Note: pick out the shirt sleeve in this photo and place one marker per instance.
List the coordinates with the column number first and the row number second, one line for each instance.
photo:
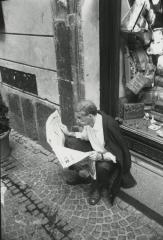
column 82, row 135
column 109, row 156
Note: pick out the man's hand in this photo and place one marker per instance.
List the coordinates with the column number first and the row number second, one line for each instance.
column 66, row 131
column 95, row 156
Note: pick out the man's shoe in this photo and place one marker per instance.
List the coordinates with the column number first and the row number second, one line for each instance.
column 95, row 197
column 79, row 180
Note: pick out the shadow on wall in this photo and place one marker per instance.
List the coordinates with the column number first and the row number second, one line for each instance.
column 4, row 121
column 2, row 23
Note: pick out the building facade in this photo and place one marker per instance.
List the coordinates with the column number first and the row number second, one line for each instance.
column 54, row 53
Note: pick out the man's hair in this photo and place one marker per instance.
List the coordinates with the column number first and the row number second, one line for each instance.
column 87, row 106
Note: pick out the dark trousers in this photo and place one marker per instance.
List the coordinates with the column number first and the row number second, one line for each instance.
column 107, row 172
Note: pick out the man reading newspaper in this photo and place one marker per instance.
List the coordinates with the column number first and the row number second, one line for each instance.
column 100, row 138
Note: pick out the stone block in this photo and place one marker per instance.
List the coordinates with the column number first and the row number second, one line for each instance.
column 63, row 50
column 15, row 113
column 29, row 118
column 35, row 18
column 66, row 101
column 32, row 50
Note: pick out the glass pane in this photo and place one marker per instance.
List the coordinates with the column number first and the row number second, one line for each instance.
column 141, row 68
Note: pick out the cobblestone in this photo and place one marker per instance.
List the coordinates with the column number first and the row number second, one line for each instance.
column 42, row 206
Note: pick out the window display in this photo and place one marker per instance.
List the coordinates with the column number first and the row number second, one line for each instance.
column 141, row 83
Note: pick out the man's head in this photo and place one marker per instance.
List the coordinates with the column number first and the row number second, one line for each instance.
column 85, row 113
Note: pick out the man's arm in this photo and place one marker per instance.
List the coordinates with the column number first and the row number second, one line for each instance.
column 97, row 156
column 109, row 156
column 66, row 131
column 82, row 135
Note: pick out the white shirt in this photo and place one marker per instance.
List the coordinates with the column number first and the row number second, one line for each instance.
column 95, row 135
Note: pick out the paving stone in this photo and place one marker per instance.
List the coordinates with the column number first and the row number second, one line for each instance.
column 77, row 213
column 90, row 237
column 77, row 237
column 123, row 222
column 142, row 237
column 69, row 213
column 29, row 194
column 82, row 201
column 100, row 214
column 146, row 230
column 129, row 229
column 130, row 236
column 108, row 219
column 96, row 234
column 113, row 233
column 98, row 228
column 131, row 219
column 137, row 231
column 89, row 227
column 136, row 224
column 105, row 235
column 122, row 237
column 116, row 217
column 100, row 220
column 35, row 212
column 82, row 222
column 115, row 225
column 78, row 229
column 79, row 208
column 121, row 231
column 101, row 208
column 92, row 220
column 31, row 207
column 85, row 207
column 106, row 227
column 107, row 212
column 92, row 214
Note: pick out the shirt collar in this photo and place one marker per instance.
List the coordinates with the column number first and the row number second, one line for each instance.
column 98, row 119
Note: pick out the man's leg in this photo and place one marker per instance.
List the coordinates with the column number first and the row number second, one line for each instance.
column 80, row 168
column 105, row 171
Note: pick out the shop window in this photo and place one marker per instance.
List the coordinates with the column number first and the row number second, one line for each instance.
column 132, row 91
column 141, row 76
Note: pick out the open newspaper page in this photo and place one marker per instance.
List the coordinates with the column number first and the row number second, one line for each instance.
column 56, row 139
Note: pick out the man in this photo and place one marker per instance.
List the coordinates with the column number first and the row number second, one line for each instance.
column 101, row 136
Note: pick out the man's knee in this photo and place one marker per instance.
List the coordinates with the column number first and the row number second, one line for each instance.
column 105, row 170
column 108, row 166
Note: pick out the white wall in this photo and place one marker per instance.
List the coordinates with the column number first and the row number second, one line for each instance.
column 90, row 28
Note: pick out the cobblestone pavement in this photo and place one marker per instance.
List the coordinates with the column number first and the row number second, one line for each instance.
column 36, row 203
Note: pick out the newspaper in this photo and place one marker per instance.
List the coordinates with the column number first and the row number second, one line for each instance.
column 56, row 140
